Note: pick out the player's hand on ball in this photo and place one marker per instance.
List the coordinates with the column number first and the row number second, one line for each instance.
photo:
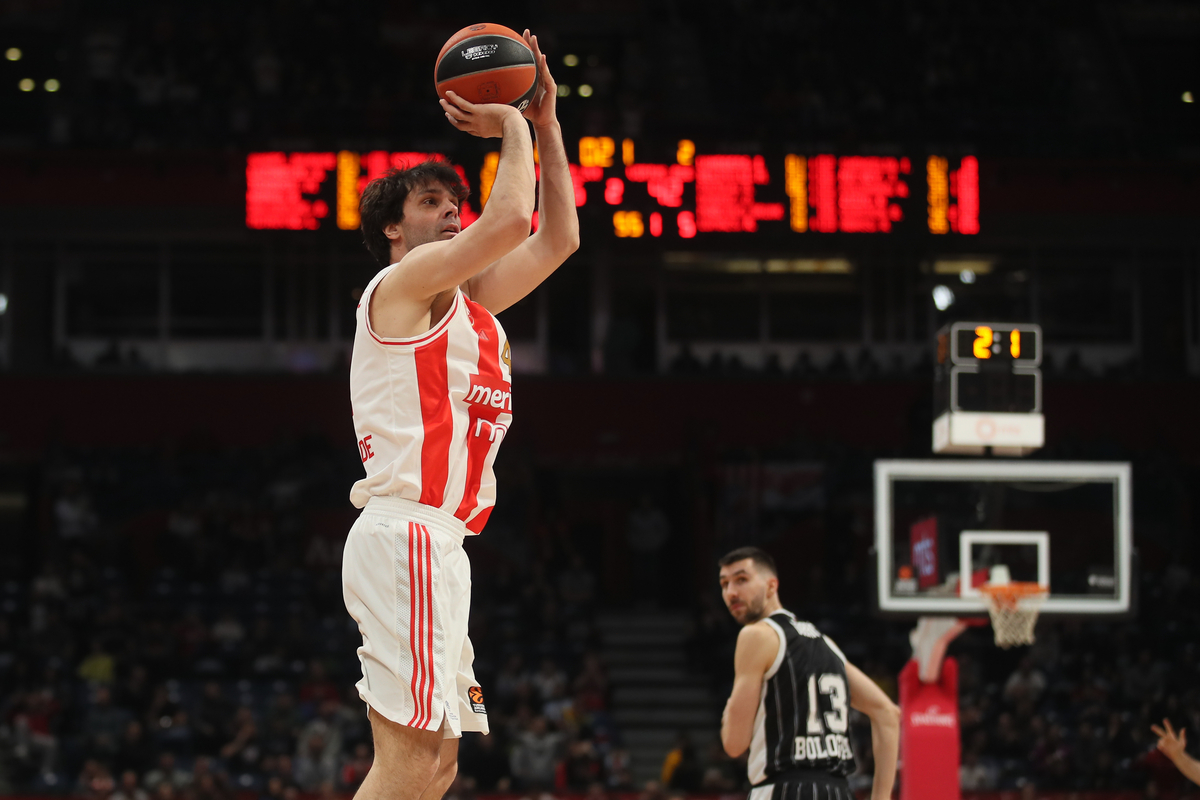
column 485, row 120
column 541, row 109
column 1171, row 744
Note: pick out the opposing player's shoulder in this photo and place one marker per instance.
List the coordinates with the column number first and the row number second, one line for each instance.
column 761, row 634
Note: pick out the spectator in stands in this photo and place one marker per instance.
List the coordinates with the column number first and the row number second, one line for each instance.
column 242, row 751
column 535, row 755
column 103, row 724
column 1144, row 680
column 583, row 765
column 576, row 583
column 210, row 787
column 95, row 782
column 511, row 682
column 680, row 768
column 549, row 681
column 166, row 772
column 316, row 760
column 483, row 759
column 134, row 752
column 73, row 514
column 1027, row 683
column 98, row 666
column 212, row 718
column 128, row 789
column 356, row 766
column 34, row 743
column 317, row 687
column 281, row 724
column 591, row 684
column 975, row 776
column 618, row 765
column 647, row 531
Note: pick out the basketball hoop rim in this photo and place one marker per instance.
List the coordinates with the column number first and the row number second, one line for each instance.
column 1010, row 594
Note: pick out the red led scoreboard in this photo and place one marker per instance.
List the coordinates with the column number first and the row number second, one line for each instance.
column 680, row 197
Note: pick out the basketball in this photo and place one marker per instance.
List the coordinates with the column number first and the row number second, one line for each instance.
column 487, row 63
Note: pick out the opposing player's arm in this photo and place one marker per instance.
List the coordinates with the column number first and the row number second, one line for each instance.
column 867, row 697
column 1174, row 746
column 518, row 273
column 757, row 647
column 430, row 269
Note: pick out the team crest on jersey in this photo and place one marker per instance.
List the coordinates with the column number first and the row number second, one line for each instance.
column 506, row 356
column 476, row 696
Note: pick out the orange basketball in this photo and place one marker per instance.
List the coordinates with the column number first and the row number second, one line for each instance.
column 487, row 63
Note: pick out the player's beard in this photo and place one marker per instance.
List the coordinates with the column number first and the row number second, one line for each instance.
column 417, row 237
column 753, row 611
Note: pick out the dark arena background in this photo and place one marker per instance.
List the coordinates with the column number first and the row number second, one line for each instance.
column 781, row 205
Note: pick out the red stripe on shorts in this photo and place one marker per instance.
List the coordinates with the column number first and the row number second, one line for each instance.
column 437, row 415
column 429, row 627
column 414, row 596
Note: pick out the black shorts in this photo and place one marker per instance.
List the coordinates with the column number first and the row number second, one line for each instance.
column 802, row 785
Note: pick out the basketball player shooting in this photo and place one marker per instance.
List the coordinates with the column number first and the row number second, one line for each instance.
column 431, row 397
column 792, row 694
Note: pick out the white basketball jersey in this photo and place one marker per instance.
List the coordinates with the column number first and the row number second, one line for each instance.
column 430, row 411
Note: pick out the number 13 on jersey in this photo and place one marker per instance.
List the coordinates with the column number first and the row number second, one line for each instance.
column 819, row 745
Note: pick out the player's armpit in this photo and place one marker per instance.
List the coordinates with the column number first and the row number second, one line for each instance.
column 509, row 280
column 436, row 267
column 430, row 269
column 520, row 272
column 757, row 647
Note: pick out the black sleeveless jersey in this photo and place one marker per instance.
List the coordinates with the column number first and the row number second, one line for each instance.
column 803, row 720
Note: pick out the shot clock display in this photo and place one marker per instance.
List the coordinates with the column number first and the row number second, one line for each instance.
column 989, row 367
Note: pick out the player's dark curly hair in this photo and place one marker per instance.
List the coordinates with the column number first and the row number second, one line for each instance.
column 761, row 558
column 382, row 201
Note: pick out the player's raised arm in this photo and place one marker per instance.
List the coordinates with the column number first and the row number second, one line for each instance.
column 757, row 647
column 1174, row 746
column 520, row 272
column 438, row 266
column 867, row 697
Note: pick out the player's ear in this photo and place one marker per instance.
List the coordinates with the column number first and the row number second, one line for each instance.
column 772, row 586
column 393, row 232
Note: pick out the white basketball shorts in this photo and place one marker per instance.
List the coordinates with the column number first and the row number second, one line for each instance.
column 406, row 581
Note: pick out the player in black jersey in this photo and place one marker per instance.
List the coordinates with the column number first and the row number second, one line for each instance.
column 792, row 694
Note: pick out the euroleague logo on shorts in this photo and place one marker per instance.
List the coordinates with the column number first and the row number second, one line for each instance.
column 476, row 696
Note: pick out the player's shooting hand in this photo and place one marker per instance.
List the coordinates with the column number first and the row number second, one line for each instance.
column 541, row 110
column 1171, row 744
column 485, row 120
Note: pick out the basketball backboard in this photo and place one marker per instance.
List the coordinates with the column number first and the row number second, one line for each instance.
column 1067, row 525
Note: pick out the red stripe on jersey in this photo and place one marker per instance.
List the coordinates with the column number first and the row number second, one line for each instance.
column 437, row 415
column 414, row 596
column 429, row 623
column 479, row 437
column 476, row 523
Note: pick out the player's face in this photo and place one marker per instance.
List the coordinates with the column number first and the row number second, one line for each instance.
column 745, row 589
column 430, row 215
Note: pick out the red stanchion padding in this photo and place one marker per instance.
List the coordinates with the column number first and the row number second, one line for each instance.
column 929, row 737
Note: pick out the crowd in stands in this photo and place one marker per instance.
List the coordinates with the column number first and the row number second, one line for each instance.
column 1008, row 77
column 173, row 629
column 180, row 633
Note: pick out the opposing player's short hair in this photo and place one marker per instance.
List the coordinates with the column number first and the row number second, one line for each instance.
column 382, row 202
column 761, row 558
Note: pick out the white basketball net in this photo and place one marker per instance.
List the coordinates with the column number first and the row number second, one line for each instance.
column 1014, row 611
